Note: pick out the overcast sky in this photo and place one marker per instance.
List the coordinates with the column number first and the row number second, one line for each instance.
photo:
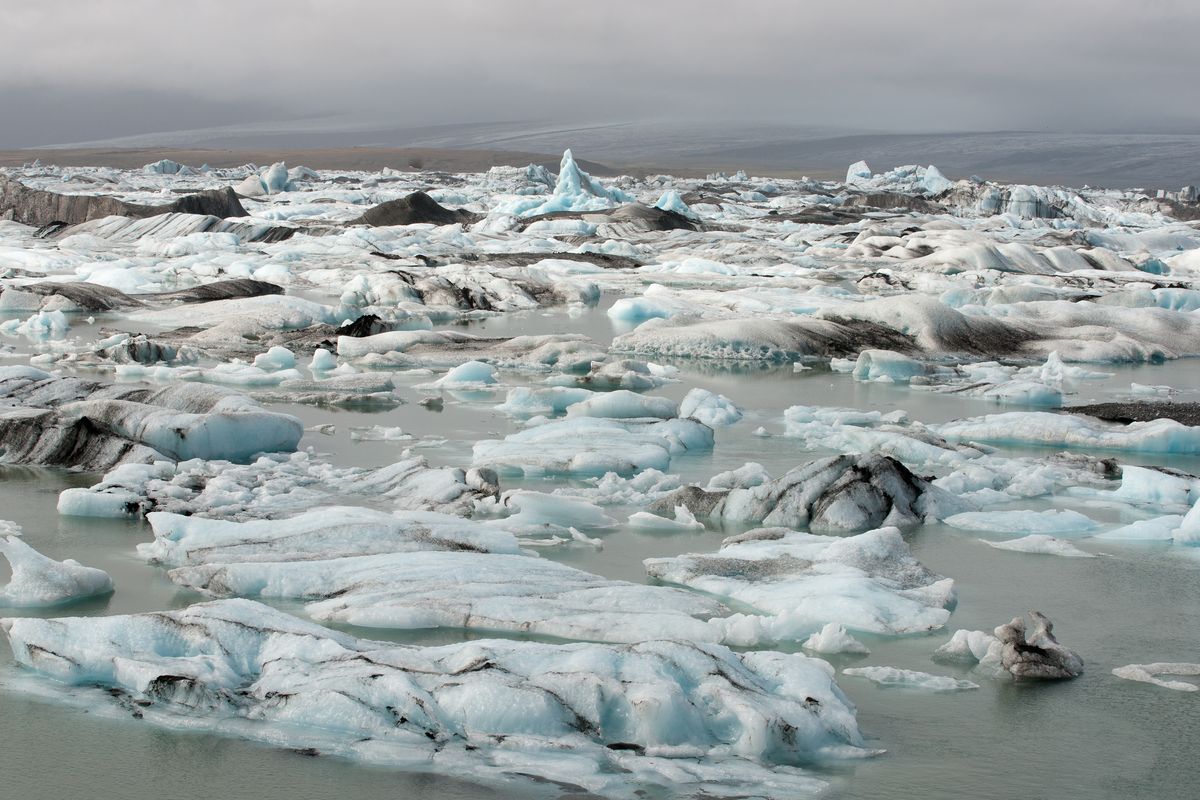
column 76, row 71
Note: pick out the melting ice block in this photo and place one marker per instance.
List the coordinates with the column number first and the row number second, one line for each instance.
column 39, row 581
column 799, row 582
column 617, row 721
column 593, row 446
column 910, row 679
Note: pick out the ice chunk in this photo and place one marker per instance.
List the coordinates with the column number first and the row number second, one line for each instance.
column 833, row 639
column 934, row 182
column 573, row 182
column 39, row 581
column 873, row 365
column 839, row 493
column 523, row 401
column 624, row 404
column 538, row 508
column 968, row 647
column 858, row 171
column 327, row 533
column 799, row 582
column 277, row 485
column 1148, row 673
column 714, row 410
column 1036, row 655
column 910, row 679
column 1065, row 430
column 472, row 373
column 323, row 361
column 683, row 521
column 464, row 590
column 574, row 190
column 1159, row 529
column 1042, row 544
column 617, row 721
column 1189, row 527
column 1050, row 521
column 275, row 178
column 277, row 358
column 671, row 201
column 163, row 166
column 593, row 446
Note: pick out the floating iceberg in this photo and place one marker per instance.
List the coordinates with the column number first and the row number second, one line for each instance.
column 574, row 190
column 910, row 679
column 1064, row 430
column 1040, row 522
column 834, row 639
column 39, row 581
column 614, row 720
column 323, row 534
column 839, row 493
column 593, row 446
column 799, row 582
column 1149, row 673
column 1042, row 544
column 465, row 590
column 714, row 410
column 1035, row 655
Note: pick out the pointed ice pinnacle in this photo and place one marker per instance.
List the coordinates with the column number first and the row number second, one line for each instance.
column 573, row 182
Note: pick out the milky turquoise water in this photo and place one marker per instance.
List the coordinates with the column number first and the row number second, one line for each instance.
column 1097, row 737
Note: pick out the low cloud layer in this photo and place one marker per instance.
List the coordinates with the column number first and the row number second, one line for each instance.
column 72, row 71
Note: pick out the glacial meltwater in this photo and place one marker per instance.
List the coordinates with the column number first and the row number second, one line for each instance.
column 524, row 484
column 1096, row 737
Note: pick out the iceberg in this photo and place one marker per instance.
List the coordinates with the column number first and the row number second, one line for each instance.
column 593, row 446
column 1149, row 673
column 614, row 720
column 1035, row 655
column 1041, row 544
column 277, row 484
column 1039, row 522
column 714, row 410
column 910, row 679
column 574, row 190
column 969, row 647
column 329, row 533
column 468, row 591
column 796, row 583
column 1063, row 430
column 835, row 494
column 41, row 582
column 834, row 639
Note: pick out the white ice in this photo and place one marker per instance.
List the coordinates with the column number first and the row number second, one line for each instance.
column 39, row 581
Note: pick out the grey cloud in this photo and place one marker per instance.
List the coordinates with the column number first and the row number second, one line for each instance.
column 927, row 65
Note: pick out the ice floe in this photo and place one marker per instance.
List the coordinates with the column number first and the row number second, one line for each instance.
column 611, row 719
column 39, row 581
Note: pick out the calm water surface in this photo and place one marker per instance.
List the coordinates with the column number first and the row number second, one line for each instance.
column 1097, row 737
